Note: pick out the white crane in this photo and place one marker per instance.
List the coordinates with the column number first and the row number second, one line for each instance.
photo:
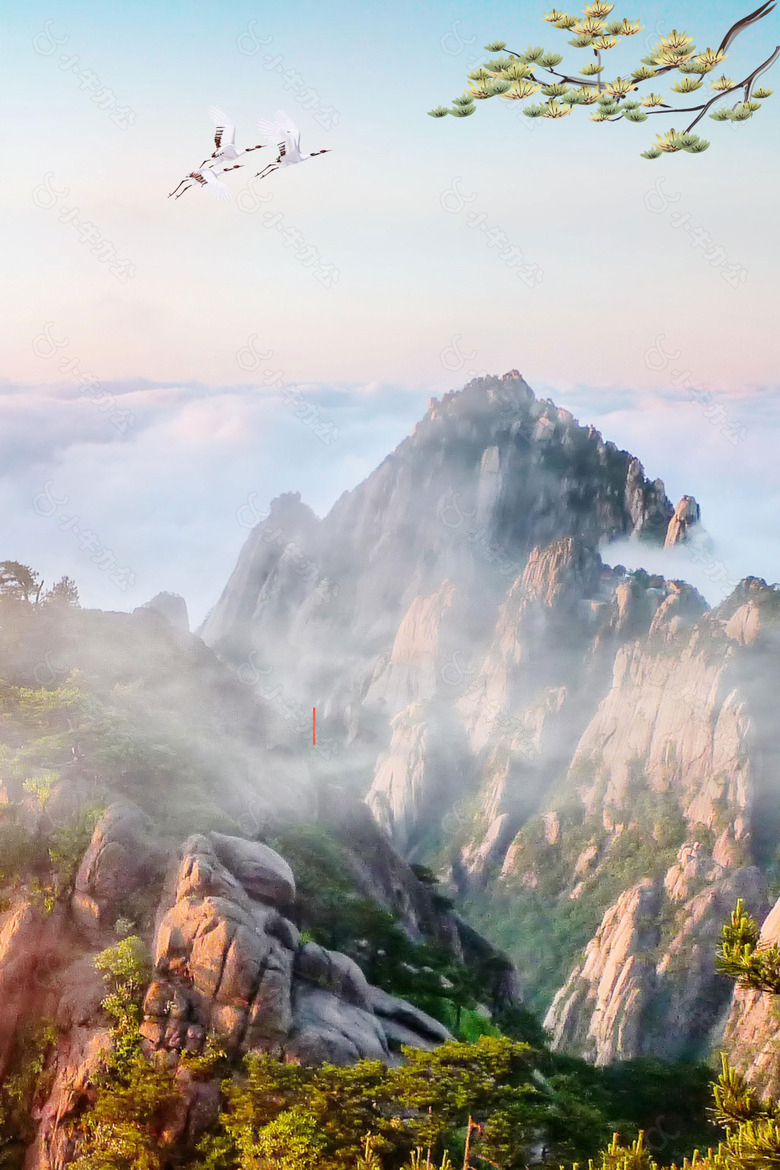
column 207, row 177
column 225, row 138
column 283, row 133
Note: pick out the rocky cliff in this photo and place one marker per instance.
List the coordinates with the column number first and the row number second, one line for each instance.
column 148, row 791
column 229, row 965
column 585, row 754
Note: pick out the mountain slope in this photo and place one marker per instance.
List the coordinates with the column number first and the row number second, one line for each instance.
column 562, row 740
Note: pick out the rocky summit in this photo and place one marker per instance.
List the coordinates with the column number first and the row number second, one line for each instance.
column 584, row 754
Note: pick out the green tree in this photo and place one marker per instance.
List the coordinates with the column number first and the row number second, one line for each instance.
column 125, row 1127
column 126, row 969
column 491, row 1090
column 292, row 1141
column 19, row 582
column 519, row 76
column 62, row 593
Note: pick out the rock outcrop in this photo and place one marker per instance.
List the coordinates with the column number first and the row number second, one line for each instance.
column 125, row 857
column 172, row 607
column 228, row 964
column 686, row 515
column 645, row 989
column 485, row 673
column 601, row 1010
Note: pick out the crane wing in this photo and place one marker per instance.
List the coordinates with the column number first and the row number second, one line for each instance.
column 291, row 131
column 216, row 187
column 225, row 134
column 275, row 132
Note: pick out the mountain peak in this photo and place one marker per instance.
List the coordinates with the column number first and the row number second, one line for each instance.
column 489, row 473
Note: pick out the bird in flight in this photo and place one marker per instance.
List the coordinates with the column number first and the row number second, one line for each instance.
column 207, row 174
column 225, row 138
column 208, row 178
column 284, row 134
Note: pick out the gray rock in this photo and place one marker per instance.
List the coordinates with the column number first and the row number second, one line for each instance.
column 124, row 858
column 395, row 1013
column 327, row 1029
column 335, row 972
column 172, row 607
column 261, row 871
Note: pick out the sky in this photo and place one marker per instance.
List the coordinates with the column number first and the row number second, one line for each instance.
column 363, row 277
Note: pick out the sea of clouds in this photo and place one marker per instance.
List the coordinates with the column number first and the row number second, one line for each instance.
column 171, row 497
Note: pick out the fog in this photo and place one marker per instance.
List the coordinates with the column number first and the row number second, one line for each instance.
column 174, row 497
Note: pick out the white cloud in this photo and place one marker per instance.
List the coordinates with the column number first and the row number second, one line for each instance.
column 164, row 496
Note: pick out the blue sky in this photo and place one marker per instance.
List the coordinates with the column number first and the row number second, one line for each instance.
column 574, row 197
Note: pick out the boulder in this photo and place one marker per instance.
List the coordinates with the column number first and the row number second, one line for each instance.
column 326, row 1029
column 335, row 972
column 422, row 1030
column 124, row 859
column 259, row 869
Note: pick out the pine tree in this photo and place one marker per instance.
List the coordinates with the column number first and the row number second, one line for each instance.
column 515, row 77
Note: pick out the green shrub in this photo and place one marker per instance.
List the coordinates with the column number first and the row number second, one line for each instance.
column 67, row 845
column 21, row 853
column 24, row 1077
column 126, row 969
column 122, row 1130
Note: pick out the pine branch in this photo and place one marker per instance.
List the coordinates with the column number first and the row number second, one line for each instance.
column 729, row 38
column 741, row 25
column 744, row 958
column 735, row 1101
column 563, row 76
column 746, row 84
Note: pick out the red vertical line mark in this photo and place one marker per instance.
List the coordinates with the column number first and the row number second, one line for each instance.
column 314, row 725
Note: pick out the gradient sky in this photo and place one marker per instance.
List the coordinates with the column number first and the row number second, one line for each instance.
column 209, row 277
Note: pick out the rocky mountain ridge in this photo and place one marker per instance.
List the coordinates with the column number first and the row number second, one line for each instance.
column 584, row 756
column 566, row 742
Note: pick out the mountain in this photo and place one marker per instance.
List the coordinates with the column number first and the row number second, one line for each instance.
column 585, row 755
column 539, row 781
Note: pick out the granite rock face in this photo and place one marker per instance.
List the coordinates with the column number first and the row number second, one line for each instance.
column 124, row 856
column 647, row 991
column 686, row 515
column 488, row 474
column 227, row 964
column 523, row 711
